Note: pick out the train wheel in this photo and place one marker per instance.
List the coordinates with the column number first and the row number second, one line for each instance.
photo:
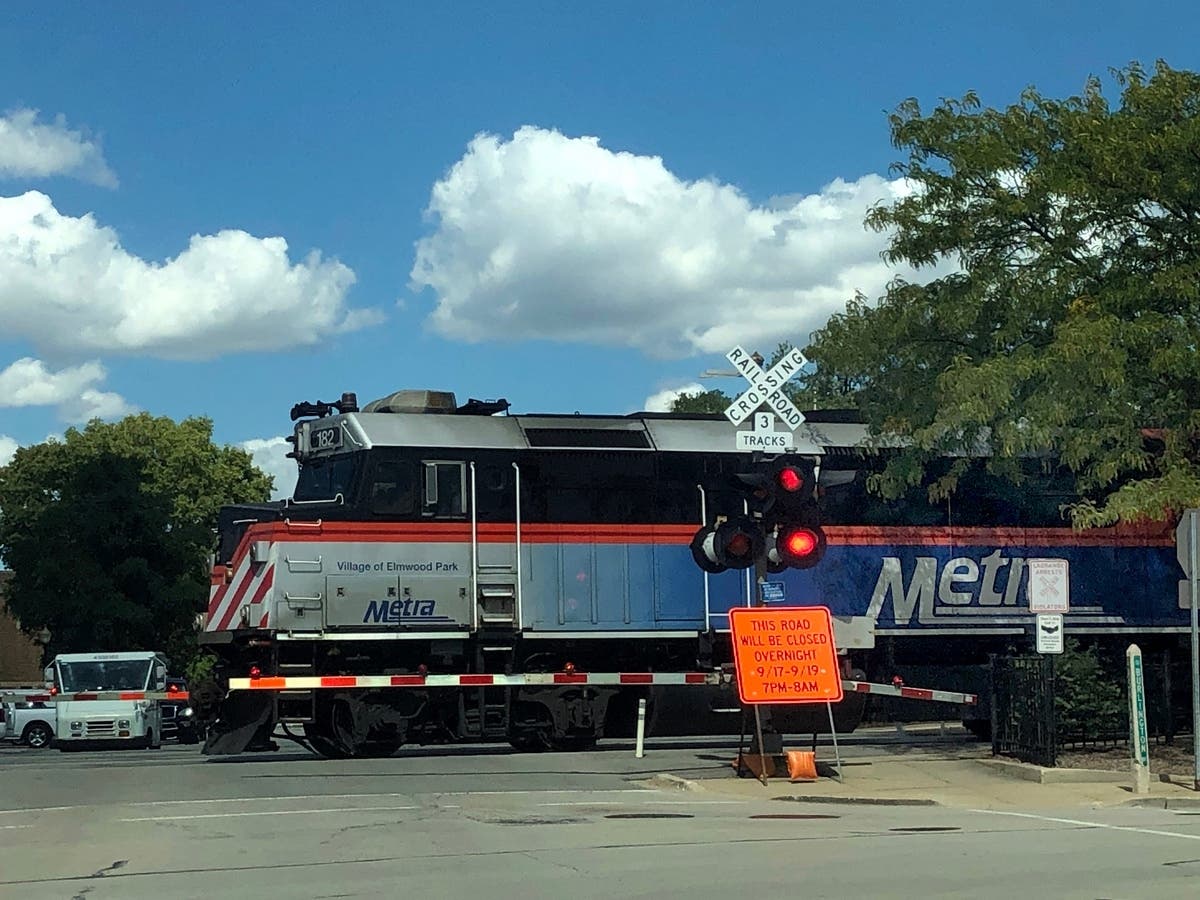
column 323, row 744
column 353, row 740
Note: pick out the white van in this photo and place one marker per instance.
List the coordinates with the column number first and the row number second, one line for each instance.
column 107, row 721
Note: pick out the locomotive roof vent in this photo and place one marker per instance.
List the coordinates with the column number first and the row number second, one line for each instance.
column 414, row 402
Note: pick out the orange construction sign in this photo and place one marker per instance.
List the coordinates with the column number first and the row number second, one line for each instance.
column 785, row 655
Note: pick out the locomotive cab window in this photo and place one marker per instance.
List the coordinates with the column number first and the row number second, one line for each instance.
column 394, row 488
column 326, row 478
column 445, row 490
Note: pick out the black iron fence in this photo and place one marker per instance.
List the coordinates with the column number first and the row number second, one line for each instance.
column 1096, row 716
column 1023, row 713
column 1044, row 705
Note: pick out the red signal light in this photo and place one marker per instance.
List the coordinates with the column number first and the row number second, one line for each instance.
column 739, row 545
column 790, row 480
column 799, row 546
column 800, row 542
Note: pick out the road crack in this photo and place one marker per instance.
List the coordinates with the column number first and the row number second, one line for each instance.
column 117, row 864
column 551, row 862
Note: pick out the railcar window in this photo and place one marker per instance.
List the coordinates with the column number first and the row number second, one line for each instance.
column 394, row 488
column 589, row 487
column 495, row 496
column 324, row 479
column 444, row 490
column 981, row 500
column 677, row 494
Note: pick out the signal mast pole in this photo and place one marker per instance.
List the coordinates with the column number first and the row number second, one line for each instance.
column 760, row 576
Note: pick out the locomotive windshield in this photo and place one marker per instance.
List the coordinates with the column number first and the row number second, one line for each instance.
column 324, row 479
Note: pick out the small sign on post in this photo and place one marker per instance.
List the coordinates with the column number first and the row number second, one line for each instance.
column 786, row 655
column 1138, row 732
column 1050, row 633
column 1187, row 551
column 772, row 591
column 1049, row 586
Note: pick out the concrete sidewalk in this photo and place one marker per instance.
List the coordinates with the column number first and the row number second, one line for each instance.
column 929, row 779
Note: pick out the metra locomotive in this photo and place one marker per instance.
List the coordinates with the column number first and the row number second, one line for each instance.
column 507, row 555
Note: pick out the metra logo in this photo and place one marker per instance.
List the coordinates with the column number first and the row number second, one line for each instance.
column 962, row 588
column 392, row 612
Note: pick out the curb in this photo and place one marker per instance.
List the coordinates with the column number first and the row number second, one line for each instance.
column 1163, row 803
column 1043, row 775
column 859, row 801
column 669, row 782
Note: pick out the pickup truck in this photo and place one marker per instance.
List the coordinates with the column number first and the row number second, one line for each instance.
column 30, row 722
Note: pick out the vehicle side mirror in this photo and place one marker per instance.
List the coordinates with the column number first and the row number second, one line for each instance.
column 48, row 675
column 160, row 678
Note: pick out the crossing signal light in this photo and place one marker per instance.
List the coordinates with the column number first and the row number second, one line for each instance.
column 789, row 479
column 795, row 547
column 781, row 524
column 798, row 541
column 733, row 544
column 800, row 546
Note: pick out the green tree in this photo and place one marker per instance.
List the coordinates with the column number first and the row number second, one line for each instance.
column 713, row 401
column 1089, row 700
column 1069, row 326
column 108, row 531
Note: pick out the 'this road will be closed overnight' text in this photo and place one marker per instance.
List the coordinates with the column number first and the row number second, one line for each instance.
column 786, row 653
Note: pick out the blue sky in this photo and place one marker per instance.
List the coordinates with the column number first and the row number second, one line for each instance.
column 222, row 209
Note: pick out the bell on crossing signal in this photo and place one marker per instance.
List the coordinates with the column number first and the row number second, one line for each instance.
column 775, row 562
column 704, row 550
column 732, row 544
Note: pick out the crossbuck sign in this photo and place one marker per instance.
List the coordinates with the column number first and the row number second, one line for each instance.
column 765, row 387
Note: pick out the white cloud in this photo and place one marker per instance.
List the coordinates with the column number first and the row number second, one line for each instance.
column 8, row 449
column 661, row 401
column 546, row 236
column 93, row 404
column 67, row 285
column 33, row 149
column 27, row 382
column 270, row 455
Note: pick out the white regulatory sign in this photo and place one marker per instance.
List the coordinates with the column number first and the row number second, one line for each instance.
column 764, row 436
column 1050, row 633
column 1049, row 586
column 765, row 387
column 1183, row 549
column 1188, row 554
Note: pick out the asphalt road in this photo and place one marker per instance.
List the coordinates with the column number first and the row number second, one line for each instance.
column 486, row 822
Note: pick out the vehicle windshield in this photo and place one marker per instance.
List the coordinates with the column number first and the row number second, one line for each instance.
column 109, row 675
column 325, row 478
